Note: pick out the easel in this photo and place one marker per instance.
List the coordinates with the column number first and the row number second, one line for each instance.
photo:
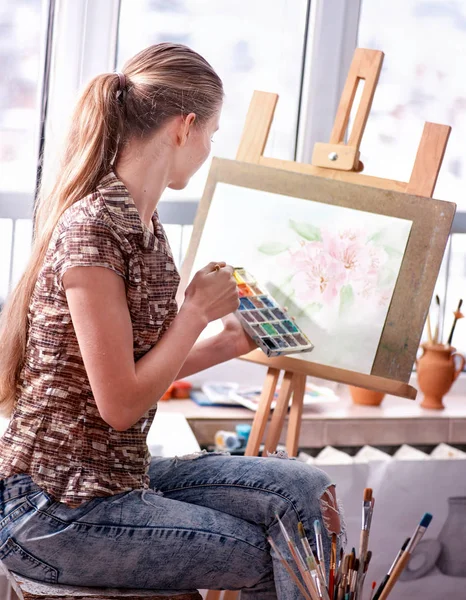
column 335, row 160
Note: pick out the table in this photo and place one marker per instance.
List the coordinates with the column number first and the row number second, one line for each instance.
column 342, row 423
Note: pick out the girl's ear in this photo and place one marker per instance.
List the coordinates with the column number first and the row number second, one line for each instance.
column 185, row 128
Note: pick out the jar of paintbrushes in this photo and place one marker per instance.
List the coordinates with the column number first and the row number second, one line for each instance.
column 439, row 365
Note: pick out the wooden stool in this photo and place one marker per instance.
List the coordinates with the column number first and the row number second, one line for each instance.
column 26, row 589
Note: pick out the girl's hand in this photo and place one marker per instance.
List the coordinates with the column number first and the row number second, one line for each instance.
column 235, row 335
column 213, row 291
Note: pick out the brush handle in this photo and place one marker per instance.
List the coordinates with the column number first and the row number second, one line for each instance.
column 304, row 572
column 381, row 587
column 295, row 579
column 399, row 568
column 333, row 565
column 429, row 330
column 363, row 544
column 290, row 571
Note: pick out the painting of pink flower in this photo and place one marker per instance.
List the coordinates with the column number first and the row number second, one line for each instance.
column 333, row 266
column 318, row 276
column 348, row 246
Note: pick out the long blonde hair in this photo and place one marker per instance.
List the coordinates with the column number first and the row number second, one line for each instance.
column 162, row 81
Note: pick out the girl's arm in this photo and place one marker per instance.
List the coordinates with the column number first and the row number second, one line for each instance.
column 230, row 343
column 125, row 390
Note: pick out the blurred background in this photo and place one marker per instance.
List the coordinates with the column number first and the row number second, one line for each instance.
column 300, row 49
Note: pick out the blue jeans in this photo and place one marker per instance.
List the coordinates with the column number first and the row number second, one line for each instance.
column 203, row 524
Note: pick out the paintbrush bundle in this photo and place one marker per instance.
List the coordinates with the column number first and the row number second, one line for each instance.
column 268, row 324
column 346, row 577
column 435, row 337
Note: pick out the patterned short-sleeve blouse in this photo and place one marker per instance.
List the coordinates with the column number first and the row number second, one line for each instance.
column 56, row 433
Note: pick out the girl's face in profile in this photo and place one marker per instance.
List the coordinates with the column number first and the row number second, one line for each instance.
column 194, row 150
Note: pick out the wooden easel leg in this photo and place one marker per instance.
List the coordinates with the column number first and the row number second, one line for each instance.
column 230, row 595
column 263, row 411
column 296, row 412
column 279, row 414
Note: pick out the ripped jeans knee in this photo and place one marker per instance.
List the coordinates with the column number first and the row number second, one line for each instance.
column 330, row 511
column 332, row 515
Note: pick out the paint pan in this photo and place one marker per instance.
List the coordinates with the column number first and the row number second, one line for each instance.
column 271, row 326
column 246, row 304
column 257, row 315
column 257, row 302
column 245, row 290
column 244, row 276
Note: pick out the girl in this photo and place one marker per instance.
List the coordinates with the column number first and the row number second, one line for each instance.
column 90, row 340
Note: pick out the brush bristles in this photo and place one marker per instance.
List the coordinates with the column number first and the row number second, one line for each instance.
column 346, row 564
column 301, row 531
column 367, row 494
column 426, row 519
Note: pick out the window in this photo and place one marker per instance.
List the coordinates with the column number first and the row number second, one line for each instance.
column 422, row 80
column 256, row 46
column 21, row 26
column 456, row 291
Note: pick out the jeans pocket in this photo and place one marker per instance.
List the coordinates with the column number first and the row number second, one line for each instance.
column 17, row 559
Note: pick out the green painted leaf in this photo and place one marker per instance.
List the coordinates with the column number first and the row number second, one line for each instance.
column 313, row 308
column 346, row 298
column 392, row 252
column 306, row 230
column 376, row 237
column 272, row 248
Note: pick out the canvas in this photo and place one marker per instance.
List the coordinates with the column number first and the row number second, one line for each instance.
column 334, row 268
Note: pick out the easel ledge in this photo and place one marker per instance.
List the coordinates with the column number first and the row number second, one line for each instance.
column 370, row 382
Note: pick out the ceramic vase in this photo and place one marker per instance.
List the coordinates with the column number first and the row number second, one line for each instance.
column 366, row 397
column 452, row 559
column 437, row 369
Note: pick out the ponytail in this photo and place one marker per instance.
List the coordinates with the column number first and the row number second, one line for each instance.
column 91, row 147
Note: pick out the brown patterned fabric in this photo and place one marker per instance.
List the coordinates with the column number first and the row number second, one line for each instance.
column 56, row 434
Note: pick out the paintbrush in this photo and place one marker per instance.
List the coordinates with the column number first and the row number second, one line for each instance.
column 290, row 571
column 390, row 570
column 354, row 578
column 333, row 565
column 311, row 562
column 429, row 330
column 344, row 577
column 363, row 576
column 374, row 583
column 299, row 561
column 437, row 326
column 458, row 315
column 365, row 528
column 320, row 548
column 406, row 555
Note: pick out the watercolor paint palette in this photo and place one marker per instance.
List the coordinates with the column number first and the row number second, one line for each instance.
column 270, row 325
